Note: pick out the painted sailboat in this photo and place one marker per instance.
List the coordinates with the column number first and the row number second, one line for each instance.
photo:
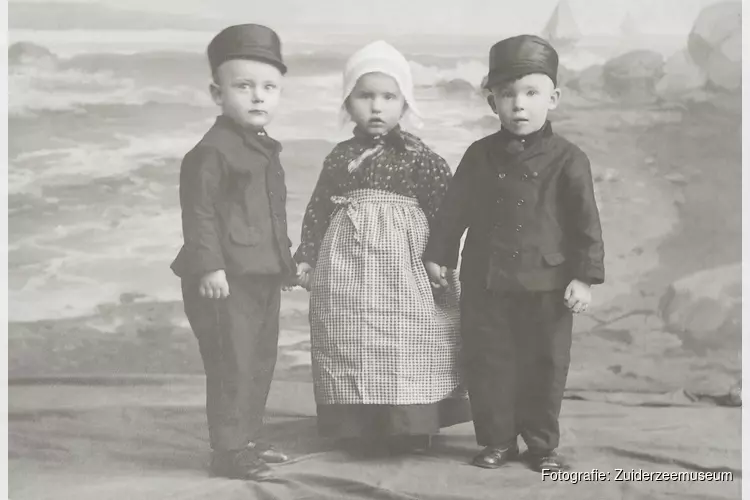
column 561, row 29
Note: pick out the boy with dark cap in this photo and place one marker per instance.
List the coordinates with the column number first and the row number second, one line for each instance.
column 236, row 254
column 532, row 251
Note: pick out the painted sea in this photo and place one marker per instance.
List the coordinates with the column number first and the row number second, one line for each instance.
column 98, row 128
column 99, row 122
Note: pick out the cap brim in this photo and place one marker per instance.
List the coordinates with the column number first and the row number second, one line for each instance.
column 494, row 79
column 259, row 56
column 500, row 77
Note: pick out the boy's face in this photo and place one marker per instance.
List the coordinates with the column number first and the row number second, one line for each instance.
column 523, row 104
column 248, row 91
column 376, row 103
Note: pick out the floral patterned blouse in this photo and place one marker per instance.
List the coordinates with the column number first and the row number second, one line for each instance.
column 406, row 166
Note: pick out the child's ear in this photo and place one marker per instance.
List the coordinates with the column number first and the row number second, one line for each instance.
column 554, row 99
column 491, row 102
column 215, row 91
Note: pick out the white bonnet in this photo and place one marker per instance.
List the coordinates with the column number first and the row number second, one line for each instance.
column 380, row 57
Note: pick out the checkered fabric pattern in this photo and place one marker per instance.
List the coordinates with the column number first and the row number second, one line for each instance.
column 379, row 336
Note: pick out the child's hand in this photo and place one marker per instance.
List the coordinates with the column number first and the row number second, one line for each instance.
column 578, row 296
column 289, row 282
column 436, row 273
column 214, row 285
column 304, row 275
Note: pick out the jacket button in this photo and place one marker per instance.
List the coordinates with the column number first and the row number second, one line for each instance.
column 534, row 174
column 514, row 254
column 518, row 227
column 525, row 176
column 501, row 175
column 520, row 202
column 499, row 201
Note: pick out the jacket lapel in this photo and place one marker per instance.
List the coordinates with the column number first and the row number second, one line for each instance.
column 258, row 143
column 537, row 147
column 509, row 153
column 263, row 144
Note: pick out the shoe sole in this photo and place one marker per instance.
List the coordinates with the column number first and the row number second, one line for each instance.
column 256, row 476
column 498, row 466
column 487, row 466
column 551, row 469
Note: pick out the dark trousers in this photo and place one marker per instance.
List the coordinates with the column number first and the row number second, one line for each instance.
column 238, row 339
column 516, row 355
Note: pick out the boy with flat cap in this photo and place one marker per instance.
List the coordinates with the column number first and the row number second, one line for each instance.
column 532, row 251
column 236, row 254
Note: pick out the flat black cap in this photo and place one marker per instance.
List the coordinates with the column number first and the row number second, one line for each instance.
column 521, row 55
column 246, row 41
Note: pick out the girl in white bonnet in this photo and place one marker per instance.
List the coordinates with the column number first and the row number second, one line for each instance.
column 384, row 345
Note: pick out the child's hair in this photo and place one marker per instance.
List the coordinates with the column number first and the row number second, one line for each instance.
column 508, row 81
column 215, row 71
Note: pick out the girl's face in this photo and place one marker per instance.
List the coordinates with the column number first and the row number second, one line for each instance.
column 376, row 103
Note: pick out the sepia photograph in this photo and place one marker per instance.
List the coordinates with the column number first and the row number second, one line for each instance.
column 398, row 250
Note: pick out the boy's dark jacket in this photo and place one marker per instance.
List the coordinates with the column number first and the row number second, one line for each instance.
column 533, row 223
column 233, row 199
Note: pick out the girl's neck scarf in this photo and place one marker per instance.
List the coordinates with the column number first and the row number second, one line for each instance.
column 375, row 145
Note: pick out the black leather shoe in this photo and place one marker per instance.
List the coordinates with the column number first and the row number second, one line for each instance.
column 493, row 457
column 242, row 464
column 549, row 460
column 268, row 453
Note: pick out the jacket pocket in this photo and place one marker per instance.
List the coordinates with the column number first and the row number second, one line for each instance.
column 554, row 259
column 240, row 232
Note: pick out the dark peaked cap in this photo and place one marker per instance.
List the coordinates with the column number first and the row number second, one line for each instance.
column 246, row 41
column 521, row 55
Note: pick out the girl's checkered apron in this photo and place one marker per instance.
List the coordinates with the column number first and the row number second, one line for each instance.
column 378, row 335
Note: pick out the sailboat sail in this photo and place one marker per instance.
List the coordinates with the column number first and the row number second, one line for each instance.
column 561, row 29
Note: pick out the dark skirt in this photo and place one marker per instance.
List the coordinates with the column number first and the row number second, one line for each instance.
column 367, row 420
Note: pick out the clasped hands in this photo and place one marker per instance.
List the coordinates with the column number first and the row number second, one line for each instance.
column 577, row 294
